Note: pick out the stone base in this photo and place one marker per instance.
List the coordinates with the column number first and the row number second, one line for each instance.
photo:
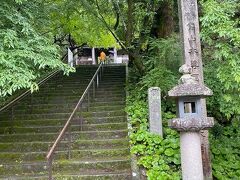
column 191, row 123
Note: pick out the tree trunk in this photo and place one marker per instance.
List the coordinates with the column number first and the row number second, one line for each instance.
column 137, row 61
column 163, row 25
column 130, row 19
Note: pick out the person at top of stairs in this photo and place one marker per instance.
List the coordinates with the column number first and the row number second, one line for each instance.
column 102, row 56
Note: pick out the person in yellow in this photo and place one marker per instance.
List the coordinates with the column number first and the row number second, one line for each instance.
column 102, row 57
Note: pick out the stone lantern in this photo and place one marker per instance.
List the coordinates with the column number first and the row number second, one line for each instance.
column 191, row 119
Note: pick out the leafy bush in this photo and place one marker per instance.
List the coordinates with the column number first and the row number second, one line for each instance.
column 160, row 156
column 225, row 145
column 221, row 38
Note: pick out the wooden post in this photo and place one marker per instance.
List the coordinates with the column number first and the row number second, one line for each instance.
column 189, row 27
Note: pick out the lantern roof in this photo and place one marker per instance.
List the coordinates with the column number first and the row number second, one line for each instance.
column 194, row 89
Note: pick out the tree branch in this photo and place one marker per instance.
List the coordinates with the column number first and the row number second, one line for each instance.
column 115, row 8
column 108, row 27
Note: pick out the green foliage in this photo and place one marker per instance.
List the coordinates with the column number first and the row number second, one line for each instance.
column 225, row 145
column 160, row 156
column 161, row 56
column 221, row 37
column 164, row 52
column 24, row 51
column 155, row 78
column 81, row 20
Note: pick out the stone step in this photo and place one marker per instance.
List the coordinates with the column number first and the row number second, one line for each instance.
column 78, row 89
column 77, row 92
column 59, row 121
column 73, row 96
column 85, row 79
column 105, row 99
column 82, row 86
column 80, row 80
column 69, row 87
column 80, row 155
column 74, row 93
column 83, row 135
column 36, row 146
column 40, row 98
column 85, row 82
column 48, row 109
column 108, row 99
column 67, row 166
column 35, row 116
column 67, row 105
column 120, row 175
column 108, row 175
column 62, row 106
column 55, row 128
column 54, row 99
column 5, row 117
column 102, row 114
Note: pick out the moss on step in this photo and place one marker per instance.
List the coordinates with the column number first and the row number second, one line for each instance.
column 56, row 128
column 27, row 137
column 102, row 113
column 83, row 167
column 77, row 144
column 65, row 166
column 89, row 154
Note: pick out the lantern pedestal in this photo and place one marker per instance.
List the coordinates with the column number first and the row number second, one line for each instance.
column 191, row 158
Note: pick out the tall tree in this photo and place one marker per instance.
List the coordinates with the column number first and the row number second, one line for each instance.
column 24, row 50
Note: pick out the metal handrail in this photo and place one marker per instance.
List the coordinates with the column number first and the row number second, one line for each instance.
column 50, row 153
column 18, row 98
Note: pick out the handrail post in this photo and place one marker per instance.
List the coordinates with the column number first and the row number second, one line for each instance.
column 12, row 119
column 81, row 124
column 31, row 102
column 69, row 142
column 93, row 89
column 88, row 101
column 80, row 118
column 49, row 168
column 12, row 113
column 97, row 81
column 102, row 69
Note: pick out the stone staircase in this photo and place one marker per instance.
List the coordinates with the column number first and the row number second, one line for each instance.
column 99, row 148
